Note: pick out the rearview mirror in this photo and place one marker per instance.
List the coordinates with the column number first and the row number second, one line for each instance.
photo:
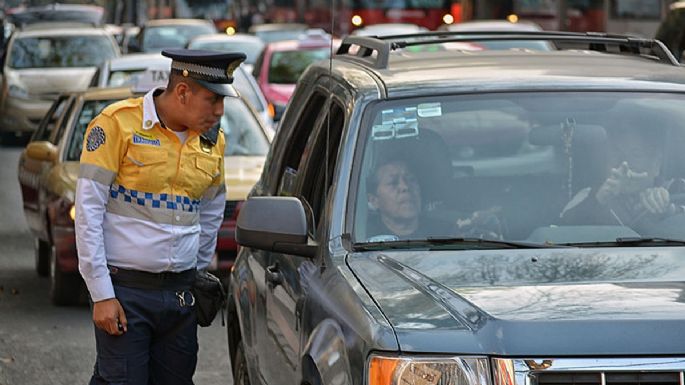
column 275, row 224
column 44, row 151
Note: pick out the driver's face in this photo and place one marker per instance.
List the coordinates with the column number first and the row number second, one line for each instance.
column 398, row 195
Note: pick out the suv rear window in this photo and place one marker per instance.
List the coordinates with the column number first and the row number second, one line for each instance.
column 62, row 51
column 551, row 167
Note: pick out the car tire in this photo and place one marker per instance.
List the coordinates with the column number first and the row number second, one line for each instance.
column 65, row 288
column 42, row 256
column 240, row 375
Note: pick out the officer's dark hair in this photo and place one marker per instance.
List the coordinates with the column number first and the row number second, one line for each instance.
column 176, row 77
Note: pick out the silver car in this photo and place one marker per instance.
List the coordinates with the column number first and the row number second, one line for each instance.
column 43, row 61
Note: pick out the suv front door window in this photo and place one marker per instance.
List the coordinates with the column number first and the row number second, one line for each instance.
column 285, row 297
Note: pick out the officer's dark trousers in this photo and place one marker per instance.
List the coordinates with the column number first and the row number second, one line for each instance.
column 160, row 346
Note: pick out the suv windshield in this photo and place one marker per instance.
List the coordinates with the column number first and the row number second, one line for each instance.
column 62, row 51
column 543, row 168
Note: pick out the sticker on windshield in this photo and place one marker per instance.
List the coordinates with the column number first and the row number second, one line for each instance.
column 429, row 110
column 396, row 123
column 383, row 238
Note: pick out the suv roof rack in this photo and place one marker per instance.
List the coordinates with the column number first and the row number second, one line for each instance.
column 382, row 46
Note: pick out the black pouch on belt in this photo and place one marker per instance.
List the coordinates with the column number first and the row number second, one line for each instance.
column 209, row 298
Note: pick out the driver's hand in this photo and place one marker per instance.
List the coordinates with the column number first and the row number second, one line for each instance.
column 622, row 180
column 656, row 200
column 481, row 224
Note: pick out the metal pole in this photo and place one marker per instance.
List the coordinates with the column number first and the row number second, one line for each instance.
column 563, row 16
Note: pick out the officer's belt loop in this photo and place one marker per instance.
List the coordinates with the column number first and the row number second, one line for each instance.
column 152, row 281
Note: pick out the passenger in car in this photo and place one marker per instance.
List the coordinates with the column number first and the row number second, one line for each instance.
column 634, row 194
column 395, row 201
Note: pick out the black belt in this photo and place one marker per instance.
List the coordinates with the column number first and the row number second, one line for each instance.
column 152, row 281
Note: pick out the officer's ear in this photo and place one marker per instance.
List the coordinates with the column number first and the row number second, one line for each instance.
column 181, row 91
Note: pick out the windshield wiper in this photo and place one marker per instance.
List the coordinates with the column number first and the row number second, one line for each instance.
column 446, row 243
column 631, row 242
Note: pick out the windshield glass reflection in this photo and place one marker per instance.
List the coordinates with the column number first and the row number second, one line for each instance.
column 546, row 168
column 71, row 51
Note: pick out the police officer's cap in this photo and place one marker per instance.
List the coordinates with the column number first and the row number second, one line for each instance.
column 211, row 69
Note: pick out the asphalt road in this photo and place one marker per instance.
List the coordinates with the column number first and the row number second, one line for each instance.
column 42, row 344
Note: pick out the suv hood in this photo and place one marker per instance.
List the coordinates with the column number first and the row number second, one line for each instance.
column 52, row 80
column 540, row 302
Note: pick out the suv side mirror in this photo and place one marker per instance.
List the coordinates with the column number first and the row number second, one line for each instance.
column 42, row 150
column 275, row 224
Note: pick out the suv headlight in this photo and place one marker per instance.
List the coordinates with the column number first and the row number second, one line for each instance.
column 18, row 92
column 406, row 370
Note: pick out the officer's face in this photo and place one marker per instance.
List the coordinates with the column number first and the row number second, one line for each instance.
column 204, row 109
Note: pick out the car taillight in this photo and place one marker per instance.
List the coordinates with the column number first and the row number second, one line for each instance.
column 62, row 212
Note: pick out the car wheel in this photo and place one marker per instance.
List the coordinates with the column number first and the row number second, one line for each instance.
column 64, row 287
column 240, row 376
column 42, row 255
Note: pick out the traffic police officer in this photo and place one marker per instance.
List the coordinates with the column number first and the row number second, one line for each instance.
column 149, row 201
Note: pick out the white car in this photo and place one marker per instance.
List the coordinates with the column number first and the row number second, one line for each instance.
column 43, row 60
column 126, row 71
column 250, row 45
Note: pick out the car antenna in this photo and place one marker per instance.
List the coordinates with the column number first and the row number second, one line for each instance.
column 328, row 116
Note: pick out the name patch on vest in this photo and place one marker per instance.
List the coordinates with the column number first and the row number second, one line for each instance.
column 137, row 139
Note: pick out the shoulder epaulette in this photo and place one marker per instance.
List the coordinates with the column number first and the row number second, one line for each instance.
column 120, row 105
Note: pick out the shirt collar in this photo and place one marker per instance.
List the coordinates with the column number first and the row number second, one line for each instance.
column 150, row 118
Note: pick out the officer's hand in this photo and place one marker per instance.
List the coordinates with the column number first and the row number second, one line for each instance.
column 108, row 315
column 656, row 200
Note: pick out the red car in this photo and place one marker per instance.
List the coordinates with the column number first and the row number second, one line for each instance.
column 281, row 63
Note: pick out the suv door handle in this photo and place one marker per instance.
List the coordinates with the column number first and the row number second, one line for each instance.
column 273, row 274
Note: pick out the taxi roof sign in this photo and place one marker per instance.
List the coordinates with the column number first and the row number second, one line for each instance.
column 149, row 79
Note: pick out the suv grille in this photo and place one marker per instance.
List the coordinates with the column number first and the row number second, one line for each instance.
column 589, row 371
column 608, row 378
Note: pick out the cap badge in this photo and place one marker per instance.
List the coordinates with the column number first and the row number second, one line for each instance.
column 231, row 67
column 185, row 73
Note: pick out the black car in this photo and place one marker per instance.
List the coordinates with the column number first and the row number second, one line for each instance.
column 469, row 218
